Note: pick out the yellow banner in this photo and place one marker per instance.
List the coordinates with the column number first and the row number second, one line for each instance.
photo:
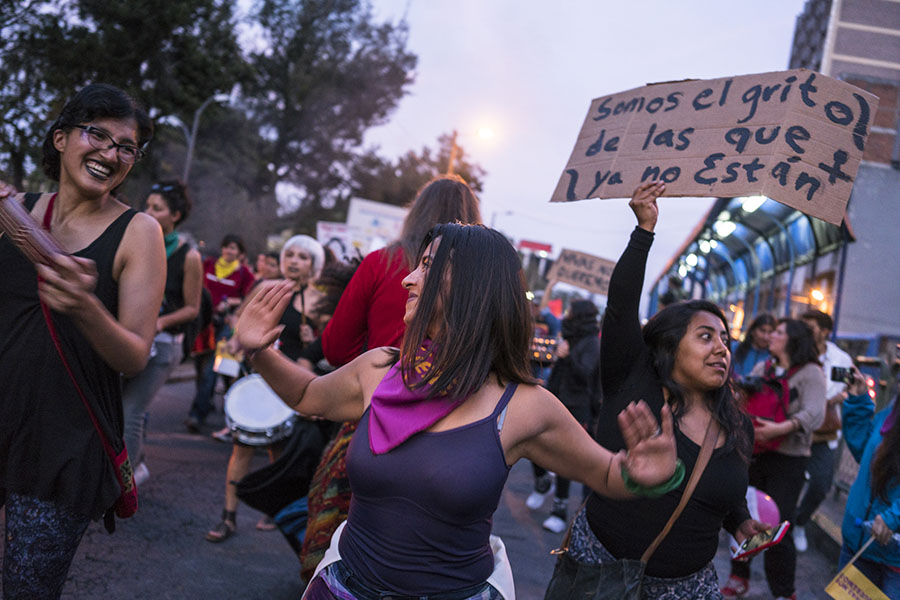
column 850, row 584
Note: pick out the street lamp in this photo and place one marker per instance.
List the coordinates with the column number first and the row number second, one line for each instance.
column 485, row 133
column 193, row 133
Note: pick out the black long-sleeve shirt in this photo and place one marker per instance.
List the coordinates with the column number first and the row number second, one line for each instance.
column 626, row 527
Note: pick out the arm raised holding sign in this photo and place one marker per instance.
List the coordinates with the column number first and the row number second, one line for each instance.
column 679, row 361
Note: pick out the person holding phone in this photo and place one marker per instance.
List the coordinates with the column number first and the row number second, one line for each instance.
column 780, row 472
column 874, row 440
column 823, row 452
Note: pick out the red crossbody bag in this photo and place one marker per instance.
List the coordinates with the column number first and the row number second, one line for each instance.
column 127, row 502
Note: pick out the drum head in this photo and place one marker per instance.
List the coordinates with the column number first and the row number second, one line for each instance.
column 251, row 404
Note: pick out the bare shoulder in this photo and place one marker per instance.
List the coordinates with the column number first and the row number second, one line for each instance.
column 143, row 228
column 193, row 258
column 531, row 409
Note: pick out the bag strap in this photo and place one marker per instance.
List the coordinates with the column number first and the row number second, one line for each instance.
column 706, row 450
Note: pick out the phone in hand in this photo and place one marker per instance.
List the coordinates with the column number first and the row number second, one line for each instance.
column 759, row 542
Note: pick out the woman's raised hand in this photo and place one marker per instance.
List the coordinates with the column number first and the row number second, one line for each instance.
column 258, row 326
column 651, row 456
column 643, row 203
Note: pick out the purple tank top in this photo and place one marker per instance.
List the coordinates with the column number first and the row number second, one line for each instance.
column 421, row 514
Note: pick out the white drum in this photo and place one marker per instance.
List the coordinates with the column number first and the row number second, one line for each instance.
column 255, row 414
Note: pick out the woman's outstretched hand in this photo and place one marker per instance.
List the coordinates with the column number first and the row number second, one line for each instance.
column 643, row 203
column 258, row 326
column 651, row 456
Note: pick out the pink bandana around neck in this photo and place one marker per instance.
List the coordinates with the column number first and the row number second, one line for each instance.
column 396, row 412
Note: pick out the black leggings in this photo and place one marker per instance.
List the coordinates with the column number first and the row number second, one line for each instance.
column 781, row 477
column 41, row 540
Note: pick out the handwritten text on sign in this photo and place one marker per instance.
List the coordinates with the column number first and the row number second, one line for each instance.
column 795, row 136
column 582, row 270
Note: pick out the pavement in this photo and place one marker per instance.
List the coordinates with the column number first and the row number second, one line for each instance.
column 161, row 553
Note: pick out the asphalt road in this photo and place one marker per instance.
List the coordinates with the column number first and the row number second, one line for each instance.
column 161, row 552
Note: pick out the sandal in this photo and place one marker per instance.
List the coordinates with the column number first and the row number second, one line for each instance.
column 736, row 587
column 266, row 524
column 225, row 529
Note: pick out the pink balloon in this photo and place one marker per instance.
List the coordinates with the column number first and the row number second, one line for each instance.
column 762, row 507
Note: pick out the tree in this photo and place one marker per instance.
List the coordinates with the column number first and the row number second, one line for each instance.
column 398, row 182
column 169, row 55
column 327, row 73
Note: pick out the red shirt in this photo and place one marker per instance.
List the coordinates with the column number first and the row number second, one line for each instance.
column 235, row 285
column 370, row 311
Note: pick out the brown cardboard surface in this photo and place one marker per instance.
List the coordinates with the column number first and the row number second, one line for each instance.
column 582, row 270
column 795, row 136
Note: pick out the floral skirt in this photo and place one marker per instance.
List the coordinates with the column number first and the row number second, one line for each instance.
column 702, row 585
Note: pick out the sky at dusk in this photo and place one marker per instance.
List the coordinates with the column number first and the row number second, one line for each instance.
column 528, row 70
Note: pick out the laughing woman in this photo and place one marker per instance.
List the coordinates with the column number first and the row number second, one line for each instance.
column 67, row 330
column 442, row 420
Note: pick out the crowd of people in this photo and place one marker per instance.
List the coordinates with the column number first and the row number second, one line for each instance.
column 413, row 392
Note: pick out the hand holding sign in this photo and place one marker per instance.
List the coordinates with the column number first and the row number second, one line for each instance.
column 643, row 204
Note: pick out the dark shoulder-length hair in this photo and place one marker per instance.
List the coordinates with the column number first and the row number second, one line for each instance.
column 484, row 322
column 662, row 334
column 175, row 194
column 744, row 347
column 444, row 199
column 886, row 463
column 801, row 346
column 95, row 101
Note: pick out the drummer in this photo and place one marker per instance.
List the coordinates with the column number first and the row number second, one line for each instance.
column 302, row 258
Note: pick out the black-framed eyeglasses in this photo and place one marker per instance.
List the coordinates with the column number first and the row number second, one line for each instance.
column 158, row 187
column 100, row 140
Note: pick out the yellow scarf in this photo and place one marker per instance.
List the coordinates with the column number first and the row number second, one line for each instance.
column 225, row 268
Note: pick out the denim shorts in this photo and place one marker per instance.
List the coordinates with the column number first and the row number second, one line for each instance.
column 344, row 585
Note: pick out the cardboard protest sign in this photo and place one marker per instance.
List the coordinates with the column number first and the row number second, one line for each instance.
column 794, row 136
column 850, row 584
column 582, row 270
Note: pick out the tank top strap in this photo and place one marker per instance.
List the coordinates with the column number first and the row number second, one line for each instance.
column 505, row 398
column 31, row 199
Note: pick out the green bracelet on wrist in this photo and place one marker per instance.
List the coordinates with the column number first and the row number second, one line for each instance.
column 657, row 490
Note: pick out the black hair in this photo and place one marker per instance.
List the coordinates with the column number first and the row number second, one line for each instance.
column 95, row 101
column 176, row 196
column 233, row 238
column 822, row 319
column 744, row 347
column 662, row 334
column 580, row 320
column 485, row 324
column 801, row 346
column 886, row 462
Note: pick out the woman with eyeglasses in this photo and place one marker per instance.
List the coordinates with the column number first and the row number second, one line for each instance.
column 68, row 328
column 170, row 204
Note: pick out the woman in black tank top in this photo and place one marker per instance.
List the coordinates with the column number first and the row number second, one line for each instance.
column 102, row 298
column 170, row 204
column 463, row 358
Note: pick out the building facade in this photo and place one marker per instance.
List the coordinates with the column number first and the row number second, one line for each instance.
column 754, row 255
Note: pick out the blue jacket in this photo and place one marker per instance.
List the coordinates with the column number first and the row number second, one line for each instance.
column 863, row 436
